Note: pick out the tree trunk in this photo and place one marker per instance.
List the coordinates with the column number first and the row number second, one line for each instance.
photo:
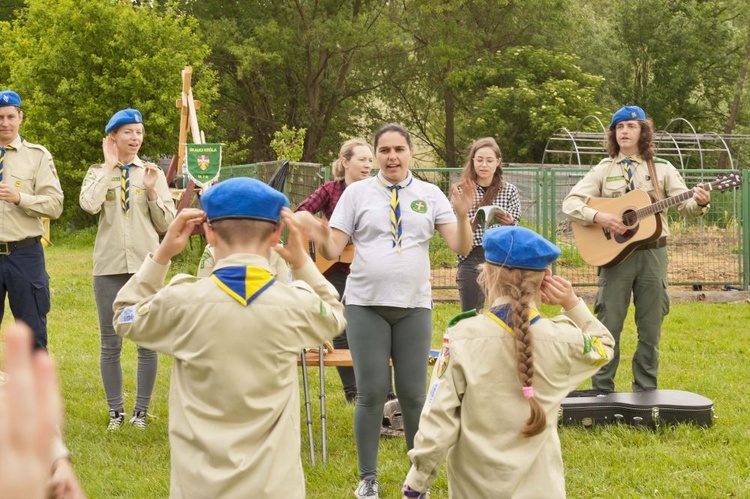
column 450, row 127
column 735, row 110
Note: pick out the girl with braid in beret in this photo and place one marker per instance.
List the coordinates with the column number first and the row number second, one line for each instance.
column 501, row 377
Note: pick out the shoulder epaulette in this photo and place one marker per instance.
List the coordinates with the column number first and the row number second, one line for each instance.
column 463, row 315
column 31, row 145
column 561, row 319
column 182, row 279
column 660, row 160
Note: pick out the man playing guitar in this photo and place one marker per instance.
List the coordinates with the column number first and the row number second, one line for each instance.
column 632, row 165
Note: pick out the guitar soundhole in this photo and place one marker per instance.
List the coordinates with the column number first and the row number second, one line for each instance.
column 630, row 220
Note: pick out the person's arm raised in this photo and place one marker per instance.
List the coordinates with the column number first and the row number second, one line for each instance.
column 332, row 241
column 458, row 236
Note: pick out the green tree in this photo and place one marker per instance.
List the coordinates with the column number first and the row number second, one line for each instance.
column 523, row 94
column 300, row 63
column 76, row 63
column 455, row 39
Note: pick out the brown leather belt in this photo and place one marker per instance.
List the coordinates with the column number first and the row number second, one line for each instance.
column 659, row 243
column 6, row 248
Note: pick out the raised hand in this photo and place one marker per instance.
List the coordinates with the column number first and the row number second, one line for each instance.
column 150, row 175
column 30, row 416
column 109, row 149
column 462, row 196
column 178, row 234
column 294, row 252
column 556, row 290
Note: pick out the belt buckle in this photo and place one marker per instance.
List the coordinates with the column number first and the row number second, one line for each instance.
column 4, row 249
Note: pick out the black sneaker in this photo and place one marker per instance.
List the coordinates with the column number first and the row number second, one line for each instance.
column 139, row 420
column 116, row 420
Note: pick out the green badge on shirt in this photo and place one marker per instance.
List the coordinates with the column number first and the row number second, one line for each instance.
column 419, row 206
column 110, row 195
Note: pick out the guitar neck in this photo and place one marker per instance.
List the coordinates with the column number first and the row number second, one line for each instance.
column 666, row 203
column 663, row 204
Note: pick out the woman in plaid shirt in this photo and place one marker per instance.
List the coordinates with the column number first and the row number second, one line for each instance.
column 354, row 163
column 484, row 165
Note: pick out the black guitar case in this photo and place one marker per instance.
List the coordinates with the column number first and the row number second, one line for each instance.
column 650, row 409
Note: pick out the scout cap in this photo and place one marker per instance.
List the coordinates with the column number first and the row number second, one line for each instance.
column 123, row 117
column 243, row 197
column 9, row 98
column 518, row 248
column 627, row 113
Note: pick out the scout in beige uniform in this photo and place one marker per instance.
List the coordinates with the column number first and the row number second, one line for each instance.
column 134, row 204
column 235, row 337
column 29, row 190
column 498, row 423
column 643, row 274
column 31, row 413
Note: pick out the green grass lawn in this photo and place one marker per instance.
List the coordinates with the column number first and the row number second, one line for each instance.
column 705, row 349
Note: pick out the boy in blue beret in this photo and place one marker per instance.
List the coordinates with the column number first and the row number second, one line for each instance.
column 632, row 165
column 497, row 366
column 235, row 338
column 29, row 192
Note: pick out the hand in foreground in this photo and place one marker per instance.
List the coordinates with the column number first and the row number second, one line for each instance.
column 311, row 227
column 558, row 291
column 64, row 484
column 30, row 416
column 462, row 196
column 294, row 252
column 178, row 234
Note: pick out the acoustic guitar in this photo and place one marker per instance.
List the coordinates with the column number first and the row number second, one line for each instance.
column 640, row 214
column 325, row 265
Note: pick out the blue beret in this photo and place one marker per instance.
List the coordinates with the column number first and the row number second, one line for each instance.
column 519, row 248
column 124, row 117
column 627, row 113
column 243, row 197
column 9, row 98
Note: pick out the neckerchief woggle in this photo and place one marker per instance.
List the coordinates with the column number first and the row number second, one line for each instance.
column 243, row 283
column 501, row 316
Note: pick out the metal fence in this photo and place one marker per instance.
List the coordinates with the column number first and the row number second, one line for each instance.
column 713, row 250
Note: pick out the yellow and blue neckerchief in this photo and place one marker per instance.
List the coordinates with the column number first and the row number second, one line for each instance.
column 244, row 284
column 501, row 316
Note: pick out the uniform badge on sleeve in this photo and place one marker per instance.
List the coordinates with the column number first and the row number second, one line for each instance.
column 127, row 315
column 444, row 358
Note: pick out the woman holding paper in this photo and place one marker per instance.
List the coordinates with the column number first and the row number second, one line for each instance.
column 484, row 165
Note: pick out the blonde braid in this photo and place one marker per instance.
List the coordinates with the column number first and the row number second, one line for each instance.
column 521, row 286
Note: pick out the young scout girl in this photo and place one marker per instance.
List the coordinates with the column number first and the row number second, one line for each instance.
column 501, row 377
column 134, row 204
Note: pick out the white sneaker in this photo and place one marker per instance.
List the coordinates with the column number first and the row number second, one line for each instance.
column 368, row 489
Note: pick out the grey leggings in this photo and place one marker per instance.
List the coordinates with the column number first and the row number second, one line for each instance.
column 105, row 291
column 375, row 335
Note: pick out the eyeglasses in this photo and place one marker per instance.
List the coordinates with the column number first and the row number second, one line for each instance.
column 485, row 161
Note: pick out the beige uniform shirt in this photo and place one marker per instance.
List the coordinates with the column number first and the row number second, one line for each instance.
column 29, row 169
column 234, row 408
column 124, row 241
column 607, row 180
column 475, row 410
column 279, row 268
